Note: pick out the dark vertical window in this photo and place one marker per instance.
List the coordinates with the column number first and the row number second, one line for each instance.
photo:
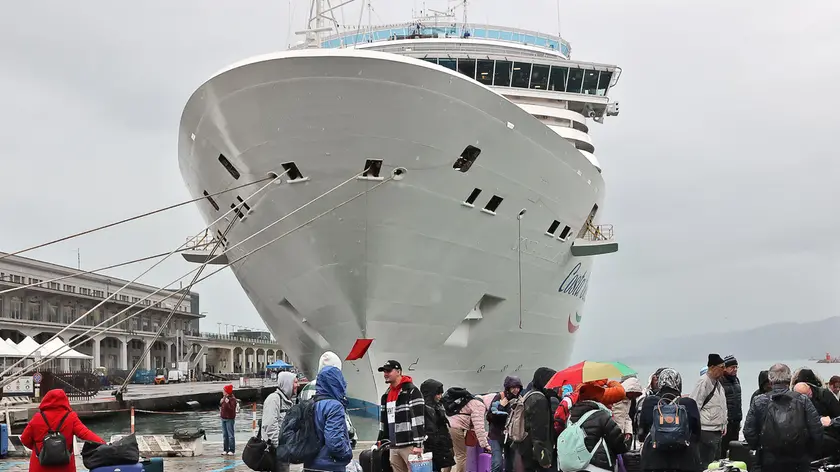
column 467, row 67
column 521, row 74
column 484, row 72
column 590, row 82
column 604, row 82
column 501, row 77
column 539, row 77
column 575, row 80
column 558, row 79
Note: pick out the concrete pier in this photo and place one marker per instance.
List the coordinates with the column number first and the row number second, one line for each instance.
column 169, row 397
column 211, row 461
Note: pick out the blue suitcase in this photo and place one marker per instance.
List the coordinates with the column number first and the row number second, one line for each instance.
column 4, row 441
column 155, row 464
column 120, row 468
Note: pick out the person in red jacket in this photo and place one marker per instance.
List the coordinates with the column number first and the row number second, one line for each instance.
column 54, row 406
column 228, row 408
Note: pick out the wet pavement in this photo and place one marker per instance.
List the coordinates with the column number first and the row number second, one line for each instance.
column 210, row 461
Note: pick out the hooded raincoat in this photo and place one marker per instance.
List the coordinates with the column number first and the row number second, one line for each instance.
column 330, row 423
column 621, row 410
column 328, row 358
column 276, row 406
column 54, row 406
column 537, row 450
column 438, row 440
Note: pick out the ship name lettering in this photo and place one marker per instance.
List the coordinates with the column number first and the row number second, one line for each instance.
column 575, row 283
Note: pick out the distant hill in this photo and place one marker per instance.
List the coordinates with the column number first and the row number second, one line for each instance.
column 774, row 341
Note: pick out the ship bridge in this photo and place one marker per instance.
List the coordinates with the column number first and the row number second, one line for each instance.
column 532, row 70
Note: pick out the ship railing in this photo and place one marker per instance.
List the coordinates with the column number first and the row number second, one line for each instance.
column 598, row 232
column 201, row 243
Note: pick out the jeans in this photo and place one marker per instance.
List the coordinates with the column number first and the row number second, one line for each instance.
column 496, row 462
column 709, row 447
column 227, row 435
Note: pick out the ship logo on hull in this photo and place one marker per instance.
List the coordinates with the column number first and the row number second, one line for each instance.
column 575, row 283
column 576, row 325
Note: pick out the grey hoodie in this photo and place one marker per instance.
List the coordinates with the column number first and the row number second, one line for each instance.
column 276, row 406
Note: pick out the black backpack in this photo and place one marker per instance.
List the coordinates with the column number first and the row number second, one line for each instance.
column 454, row 399
column 54, row 448
column 784, row 431
column 299, row 442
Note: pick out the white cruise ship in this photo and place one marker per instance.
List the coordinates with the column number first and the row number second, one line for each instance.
column 468, row 255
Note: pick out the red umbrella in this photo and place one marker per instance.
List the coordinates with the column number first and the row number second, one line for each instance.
column 588, row 371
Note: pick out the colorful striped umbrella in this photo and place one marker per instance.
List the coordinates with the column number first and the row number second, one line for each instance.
column 588, row 371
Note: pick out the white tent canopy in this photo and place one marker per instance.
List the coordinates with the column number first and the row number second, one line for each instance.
column 27, row 345
column 56, row 348
column 8, row 349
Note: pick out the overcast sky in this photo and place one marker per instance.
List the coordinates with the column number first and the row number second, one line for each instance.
column 722, row 168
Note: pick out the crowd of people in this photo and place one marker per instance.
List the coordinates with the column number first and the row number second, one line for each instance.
column 790, row 421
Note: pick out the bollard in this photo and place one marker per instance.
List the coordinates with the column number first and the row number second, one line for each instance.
column 132, row 420
column 254, row 420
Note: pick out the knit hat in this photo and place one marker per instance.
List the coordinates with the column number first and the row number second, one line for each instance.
column 228, row 389
column 714, row 359
column 729, row 361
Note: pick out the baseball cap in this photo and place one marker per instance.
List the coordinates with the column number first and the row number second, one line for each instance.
column 390, row 365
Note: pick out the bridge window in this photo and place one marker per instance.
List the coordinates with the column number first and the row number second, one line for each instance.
column 590, row 82
column 484, row 73
column 539, row 77
column 467, row 67
column 433, row 60
column 604, row 82
column 501, row 76
column 448, row 63
column 521, row 74
column 575, row 81
column 557, row 82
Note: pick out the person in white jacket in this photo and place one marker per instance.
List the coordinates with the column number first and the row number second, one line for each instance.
column 274, row 411
column 621, row 410
column 711, row 400
column 328, row 358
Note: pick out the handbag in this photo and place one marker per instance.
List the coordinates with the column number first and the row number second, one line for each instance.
column 420, row 463
column 259, row 454
column 471, row 439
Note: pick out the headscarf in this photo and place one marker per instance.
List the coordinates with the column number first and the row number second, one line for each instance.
column 670, row 378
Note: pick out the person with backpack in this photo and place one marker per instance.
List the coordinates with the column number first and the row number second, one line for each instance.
column 275, row 407
column 592, row 439
column 497, row 417
column 670, row 426
column 402, row 415
column 438, row 440
column 330, row 426
column 711, row 399
column 529, row 427
column 783, row 426
column 466, row 425
column 49, row 434
column 308, row 391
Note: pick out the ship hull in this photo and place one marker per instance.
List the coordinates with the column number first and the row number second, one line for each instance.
column 436, row 283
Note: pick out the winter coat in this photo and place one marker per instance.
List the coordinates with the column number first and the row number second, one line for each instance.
column 471, row 417
column 402, row 415
column 599, row 425
column 227, row 407
column 713, row 417
column 537, row 450
column 755, row 421
column 561, row 414
column 680, row 460
column 763, row 381
column 497, row 415
column 438, row 440
column 732, row 390
column 621, row 410
column 336, row 452
column 308, row 391
column 613, row 392
column 54, row 406
column 276, row 406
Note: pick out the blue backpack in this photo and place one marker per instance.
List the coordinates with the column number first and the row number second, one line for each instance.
column 670, row 431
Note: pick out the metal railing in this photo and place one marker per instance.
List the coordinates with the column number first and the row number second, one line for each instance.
column 599, row 232
column 228, row 337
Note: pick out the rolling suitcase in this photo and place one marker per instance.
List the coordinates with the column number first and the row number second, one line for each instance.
column 155, row 464
column 376, row 460
column 740, row 451
column 632, row 461
column 120, row 468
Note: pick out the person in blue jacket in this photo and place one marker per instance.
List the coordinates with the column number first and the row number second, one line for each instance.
column 330, row 406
